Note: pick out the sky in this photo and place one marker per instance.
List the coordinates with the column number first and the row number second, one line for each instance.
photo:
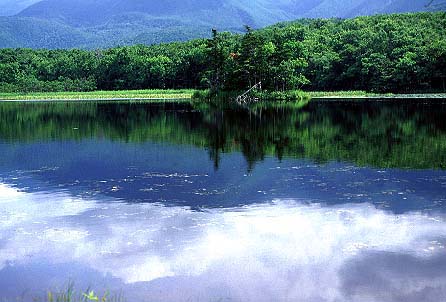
column 11, row 7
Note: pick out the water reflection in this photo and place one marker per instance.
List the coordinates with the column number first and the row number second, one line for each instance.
column 173, row 202
column 181, row 175
column 285, row 250
column 399, row 135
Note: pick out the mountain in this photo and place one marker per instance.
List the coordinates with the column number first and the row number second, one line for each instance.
column 12, row 7
column 29, row 32
column 224, row 13
column 354, row 8
column 103, row 23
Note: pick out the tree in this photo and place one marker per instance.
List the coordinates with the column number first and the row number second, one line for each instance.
column 214, row 77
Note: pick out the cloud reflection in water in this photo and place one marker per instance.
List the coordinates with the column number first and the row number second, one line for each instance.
column 286, row 250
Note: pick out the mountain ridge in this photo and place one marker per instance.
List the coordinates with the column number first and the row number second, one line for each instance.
column 105, row 23
column 12, row 7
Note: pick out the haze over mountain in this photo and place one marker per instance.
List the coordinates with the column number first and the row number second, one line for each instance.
column 12, row 7
column 102, row 23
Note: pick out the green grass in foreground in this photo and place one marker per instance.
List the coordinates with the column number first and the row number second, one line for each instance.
column 94, row 95
column 71, row 294
column 87, row 296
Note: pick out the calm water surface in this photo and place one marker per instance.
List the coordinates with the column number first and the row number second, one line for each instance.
column 174, row 202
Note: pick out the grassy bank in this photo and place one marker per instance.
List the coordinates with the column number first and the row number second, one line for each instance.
column 365, row 95
column 101, row 95
column 348, row 93
column 161, row 95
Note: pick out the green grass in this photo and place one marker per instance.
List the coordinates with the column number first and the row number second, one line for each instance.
column 85, row 296
column 340, row 94
column 170, row 94
column 71, row 294
column 365, row 94
column 98, row 95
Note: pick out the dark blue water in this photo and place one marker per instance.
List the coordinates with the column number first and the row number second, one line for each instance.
column 171, row 202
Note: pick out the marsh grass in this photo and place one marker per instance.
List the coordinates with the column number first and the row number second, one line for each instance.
column 72, row 294
column 84, row 297
column 88, row 295
column 98, row 95
column 346, row 93
column 358, row 95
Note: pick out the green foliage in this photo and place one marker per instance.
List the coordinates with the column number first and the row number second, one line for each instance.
column 388, row 53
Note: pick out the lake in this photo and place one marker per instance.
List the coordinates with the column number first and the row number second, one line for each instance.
column 333, row 201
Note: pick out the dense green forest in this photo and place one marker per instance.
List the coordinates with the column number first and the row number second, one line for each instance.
column 385, row 53
column 381, row 135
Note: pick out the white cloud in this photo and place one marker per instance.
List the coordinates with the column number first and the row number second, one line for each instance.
column 287, row 249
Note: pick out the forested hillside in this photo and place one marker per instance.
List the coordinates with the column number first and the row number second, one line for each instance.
column 387, row 53
column 108, row 23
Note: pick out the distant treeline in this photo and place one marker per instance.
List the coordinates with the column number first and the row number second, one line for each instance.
column 386, row 53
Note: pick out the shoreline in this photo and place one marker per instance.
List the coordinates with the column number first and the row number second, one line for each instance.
column 155, row 95
column 187, row 95
column 420, row 96
column 148, row 100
